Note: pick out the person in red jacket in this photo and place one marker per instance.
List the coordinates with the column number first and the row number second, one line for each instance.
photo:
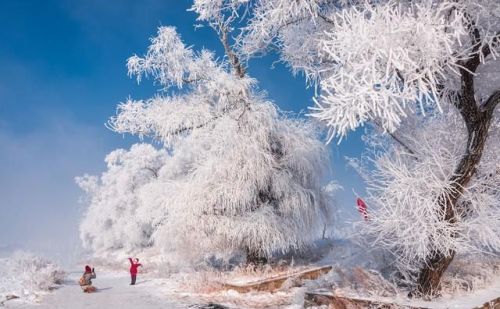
column 86, row 280
column 134, row 264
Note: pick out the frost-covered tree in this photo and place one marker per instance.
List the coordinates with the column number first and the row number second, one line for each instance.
column 379, row 62
column 118, row 217
column 405, row 178
column 232, row 172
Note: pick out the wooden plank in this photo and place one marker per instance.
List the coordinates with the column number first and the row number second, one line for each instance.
column 8, row 297
column 340, row 302
column 272, row 284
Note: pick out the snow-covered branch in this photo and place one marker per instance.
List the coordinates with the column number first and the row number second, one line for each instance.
column 232, row 173
column 406, row 217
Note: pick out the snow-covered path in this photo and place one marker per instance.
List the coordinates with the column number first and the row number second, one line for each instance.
column 114, row 291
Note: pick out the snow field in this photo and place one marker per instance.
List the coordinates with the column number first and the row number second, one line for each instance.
column 27, row 276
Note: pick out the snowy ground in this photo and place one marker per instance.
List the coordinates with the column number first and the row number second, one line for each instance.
column 184, row 291
column 456, row 301
column 466, row 301
column 114, row 291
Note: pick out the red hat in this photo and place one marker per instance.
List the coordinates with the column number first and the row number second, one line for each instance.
column 87, row 269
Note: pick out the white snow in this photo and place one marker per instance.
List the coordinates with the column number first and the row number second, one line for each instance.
column 459, row 300
column 26, row 276
column 466, row 301
column 184, row 290
column 114, row 291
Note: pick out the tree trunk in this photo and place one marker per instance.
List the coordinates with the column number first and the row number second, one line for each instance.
column 253, row 257
column 477, row 120
column 430, row 276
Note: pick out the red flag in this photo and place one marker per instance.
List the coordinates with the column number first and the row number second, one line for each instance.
column 362, row 208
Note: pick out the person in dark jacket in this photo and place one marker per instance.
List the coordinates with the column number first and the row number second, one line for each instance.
column 86, row 280
column 134, row 264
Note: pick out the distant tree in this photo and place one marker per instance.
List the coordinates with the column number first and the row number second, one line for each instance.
column 232, row 172
column 118, row 216
column 379, row 62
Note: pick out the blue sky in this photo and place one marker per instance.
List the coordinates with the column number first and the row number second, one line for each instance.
column 62, row 73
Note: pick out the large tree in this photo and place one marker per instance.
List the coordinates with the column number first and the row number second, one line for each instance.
column 382, row 60
column 123, row 205
column 232, row 172
column 405, row 176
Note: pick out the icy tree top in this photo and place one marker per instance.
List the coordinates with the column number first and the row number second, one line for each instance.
column 236, row 173
column 212, row 91
column 372, row 60
column 209, row 10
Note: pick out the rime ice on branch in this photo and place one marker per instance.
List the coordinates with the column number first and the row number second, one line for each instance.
column 404, row 189
column 232, row 172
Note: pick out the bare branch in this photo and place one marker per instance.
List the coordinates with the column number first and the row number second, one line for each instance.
column 201, row 125
column 198, row 126
column 223, row 32
column 474, row 33
column 155, row 172
column 191, row 80
column 492, row 102
column 326, row 19
column 397, row 139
